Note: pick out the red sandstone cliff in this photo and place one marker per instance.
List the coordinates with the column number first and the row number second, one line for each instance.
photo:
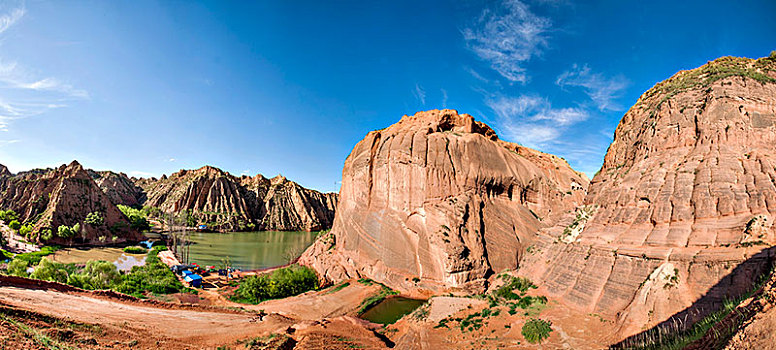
column 51, row 198
column 680, row 215
column 439, row 198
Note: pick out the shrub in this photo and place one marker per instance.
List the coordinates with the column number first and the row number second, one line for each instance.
column 25, row 230
column 281, row 283
column 14, row 225
column 536, row 330
column 137, row 218
column 48, row 270
column 8, row 215
column 46, row 234
column 94, row 219
column 135, row 250
column 154, row 277
column 18, row 267
column 96, row 275
column 65, row 231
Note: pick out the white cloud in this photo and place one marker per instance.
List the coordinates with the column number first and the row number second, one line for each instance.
column 602, row 90
column 444, row 98
column 420, row 93
column 24, row 93
column 531, row 120
column 508, row 37
column 7, row 142
column 171, row 160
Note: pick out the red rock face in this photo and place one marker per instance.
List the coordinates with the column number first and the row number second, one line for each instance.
column 439, row 198
column 242, row 203
column 119, row 188
column 64, row 196
column 681, row 212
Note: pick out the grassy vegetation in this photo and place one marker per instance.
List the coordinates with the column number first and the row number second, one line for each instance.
column 704, row 76
column 281, row 283
column 34, row 258
column 153, row 277
column 338, row 287
column 135, row 250
column 536, row 330
column 675, row 335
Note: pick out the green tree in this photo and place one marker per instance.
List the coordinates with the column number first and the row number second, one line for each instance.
column 18, row 267
column 46, row 234
column 8, row 215
column 65, row 231
column 48, row 270
column 96, row 275
column 536, row 330
column 94, row 219
column 14, row 225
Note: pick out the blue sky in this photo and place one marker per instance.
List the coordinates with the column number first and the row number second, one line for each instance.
column 289, row 87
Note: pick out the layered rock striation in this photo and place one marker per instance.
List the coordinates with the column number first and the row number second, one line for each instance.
column 214, row 196
column 46, row 199
column 119, row 187
column 681, row 214
column 438, row 200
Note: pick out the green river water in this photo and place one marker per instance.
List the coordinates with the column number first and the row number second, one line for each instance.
column 391, row 309
column 248, row 250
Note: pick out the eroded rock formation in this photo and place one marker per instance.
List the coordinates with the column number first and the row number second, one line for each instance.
column 50, row 198
column 438, row 200
column 119, row 188
column 241, row 203
column 680, row 215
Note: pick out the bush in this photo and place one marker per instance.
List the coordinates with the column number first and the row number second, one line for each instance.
column 18, row 267
column 94, row 219
column 46, row 234
column 48, row 270
column 25, row 230
column 96, row 275
column 154, row 277
column 67, row 231
column 137, row 218
column 536, row 330
column 281, row 283
column 14, row 225
column 135, row 250
column 8, row 215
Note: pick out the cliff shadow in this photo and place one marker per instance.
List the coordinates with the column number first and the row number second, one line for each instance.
column 692, row 323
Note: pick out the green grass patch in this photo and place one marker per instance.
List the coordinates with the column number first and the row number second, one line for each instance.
column 135, row 250
column 536, row 330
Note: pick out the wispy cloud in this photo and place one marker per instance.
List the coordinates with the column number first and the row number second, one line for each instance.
column 24, row 93
column 420, row 93
column 171, row 160
column 444, row 98
column 531, row 120
column 602, row 90
column 507, row 37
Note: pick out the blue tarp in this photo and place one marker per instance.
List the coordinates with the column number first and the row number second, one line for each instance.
column 147, row 244
column 187, row 272
column 194, row 280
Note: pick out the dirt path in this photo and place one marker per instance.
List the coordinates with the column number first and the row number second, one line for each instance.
column 205, row 328
column 16, row 243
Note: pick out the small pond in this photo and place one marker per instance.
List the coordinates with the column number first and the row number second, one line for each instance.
column 249, row 250
column 391, row 309
column 123, row 261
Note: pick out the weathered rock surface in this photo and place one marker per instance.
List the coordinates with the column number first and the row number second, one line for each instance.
column 681, row 212
column 439, row 198
column 119, row 188
column 49, row 198
column 241, row 203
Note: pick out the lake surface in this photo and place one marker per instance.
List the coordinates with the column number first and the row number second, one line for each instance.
column 249, row 250
column 391, row 309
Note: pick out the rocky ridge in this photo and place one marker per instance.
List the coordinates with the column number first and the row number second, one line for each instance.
column 437, row 200
column 212, row 195
column 680, row 215
column 64, row 196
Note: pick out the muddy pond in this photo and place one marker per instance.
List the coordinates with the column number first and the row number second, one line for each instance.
column 391, row 309
column 123, row 261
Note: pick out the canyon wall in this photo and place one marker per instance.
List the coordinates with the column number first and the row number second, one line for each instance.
column 681, row 214
column 437, row 200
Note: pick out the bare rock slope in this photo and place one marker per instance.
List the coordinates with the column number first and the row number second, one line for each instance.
column 119, row 187
column 239, row 203
column 50, row 198
column 437, row 200
column 681, row 214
